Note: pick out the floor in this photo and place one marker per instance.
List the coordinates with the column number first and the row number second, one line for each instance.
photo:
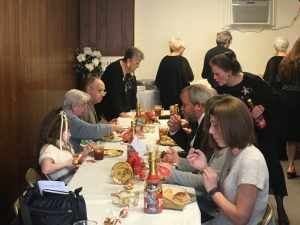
column 292, row 201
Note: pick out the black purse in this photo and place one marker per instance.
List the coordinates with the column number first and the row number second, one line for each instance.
column 51, row 208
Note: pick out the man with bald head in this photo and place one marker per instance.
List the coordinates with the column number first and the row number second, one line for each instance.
column 96, row 89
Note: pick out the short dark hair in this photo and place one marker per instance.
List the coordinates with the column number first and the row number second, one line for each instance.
column 133, row 52
column 226, row 61
column 234, row 120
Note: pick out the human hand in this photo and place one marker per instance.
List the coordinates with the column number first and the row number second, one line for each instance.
column 197, row 159
column 70, row 164
column 114, row 121
column 116, row 128
column 257, row 111
column 174, row 124
column 210, row 178
column 171, row 156
column 184, row 123
column 88, row 148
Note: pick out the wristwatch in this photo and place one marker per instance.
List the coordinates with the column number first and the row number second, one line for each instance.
column 213, row 191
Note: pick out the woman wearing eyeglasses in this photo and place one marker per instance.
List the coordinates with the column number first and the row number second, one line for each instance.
column 120, row 84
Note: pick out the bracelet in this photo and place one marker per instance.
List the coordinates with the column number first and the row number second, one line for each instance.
column 213, row 191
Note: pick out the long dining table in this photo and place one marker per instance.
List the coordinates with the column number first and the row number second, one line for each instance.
column 97, row 185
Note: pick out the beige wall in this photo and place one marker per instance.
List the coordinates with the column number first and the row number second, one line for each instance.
column 196, row 22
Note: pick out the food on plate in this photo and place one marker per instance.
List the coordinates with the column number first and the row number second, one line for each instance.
column 165, row 140
column 168, row 193
column 182, row 196
column 112, row 137
column 112, row 152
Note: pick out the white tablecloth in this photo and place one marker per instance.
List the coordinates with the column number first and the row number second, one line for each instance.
column 97, row 183
column 148, row 98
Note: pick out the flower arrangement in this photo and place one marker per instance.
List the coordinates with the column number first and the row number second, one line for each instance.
column 88, row 62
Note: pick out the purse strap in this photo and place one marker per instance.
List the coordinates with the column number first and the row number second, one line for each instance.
column 24, row 211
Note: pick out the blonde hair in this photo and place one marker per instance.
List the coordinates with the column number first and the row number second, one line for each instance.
column 223, row 37
column 281, row 44
column 176, row 44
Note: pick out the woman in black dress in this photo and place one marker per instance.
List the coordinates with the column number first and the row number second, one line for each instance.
column 281, row 45
column 289, row 76
column 174, row 73
column 120, row 84
column 231, row 80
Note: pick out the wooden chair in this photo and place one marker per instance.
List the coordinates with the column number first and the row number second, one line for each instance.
column 32, row 176
column 269, row 215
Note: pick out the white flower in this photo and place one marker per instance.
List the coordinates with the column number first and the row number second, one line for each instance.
column 95, row 62
column 97, row 54
column 90, row 67
column 88, row 61
column 81, row 58
column 87, row 50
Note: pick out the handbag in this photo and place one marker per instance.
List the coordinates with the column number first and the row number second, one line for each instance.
column 52, row 208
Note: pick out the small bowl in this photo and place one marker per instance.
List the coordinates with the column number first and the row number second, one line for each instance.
column 125, row 198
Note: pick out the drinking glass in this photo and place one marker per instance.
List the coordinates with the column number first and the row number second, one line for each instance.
column 157, row 110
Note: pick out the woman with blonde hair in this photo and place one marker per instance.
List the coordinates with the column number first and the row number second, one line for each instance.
column 174, row 73
column 281, row 45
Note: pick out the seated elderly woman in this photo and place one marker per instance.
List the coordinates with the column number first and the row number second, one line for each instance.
column 281, row 45
column 75, row 104
column 241, row 191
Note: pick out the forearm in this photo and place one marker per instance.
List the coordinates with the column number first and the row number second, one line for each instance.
column 187, row 179
column 239, row 211
column 229, row 209
column 48, row 168
column 184, row 165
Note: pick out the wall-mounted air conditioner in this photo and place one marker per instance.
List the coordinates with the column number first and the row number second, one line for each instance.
column 252, row 13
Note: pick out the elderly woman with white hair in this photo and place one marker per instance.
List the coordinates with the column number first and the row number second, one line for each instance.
column 75, row 104
column 174, row 73
column 281, row 45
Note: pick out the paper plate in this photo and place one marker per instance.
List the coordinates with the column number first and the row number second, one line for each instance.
column 113, row 152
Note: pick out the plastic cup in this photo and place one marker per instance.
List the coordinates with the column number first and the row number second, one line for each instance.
column 98, row 152
column 157, row 110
